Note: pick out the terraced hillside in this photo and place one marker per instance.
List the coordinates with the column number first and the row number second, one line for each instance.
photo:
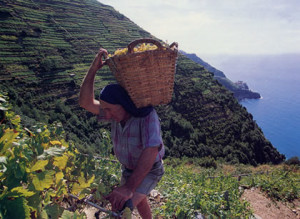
column 46, row 49
column 46, row 42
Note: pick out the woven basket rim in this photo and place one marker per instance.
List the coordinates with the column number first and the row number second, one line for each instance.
column 141, row 53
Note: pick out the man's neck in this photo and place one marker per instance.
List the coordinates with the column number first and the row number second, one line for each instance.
column 123, row 122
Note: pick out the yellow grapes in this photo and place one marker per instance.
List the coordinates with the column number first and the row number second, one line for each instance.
column 119, row 52
column 141, row 48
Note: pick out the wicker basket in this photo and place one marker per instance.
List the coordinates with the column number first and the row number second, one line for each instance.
column 147, row 76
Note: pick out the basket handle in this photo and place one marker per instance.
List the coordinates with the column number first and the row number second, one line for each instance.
column 174, row 46
column 145, row 40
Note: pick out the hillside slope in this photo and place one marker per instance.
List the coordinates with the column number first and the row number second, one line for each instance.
column 46, row 49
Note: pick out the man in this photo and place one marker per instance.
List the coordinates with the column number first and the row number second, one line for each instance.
column 136, row 138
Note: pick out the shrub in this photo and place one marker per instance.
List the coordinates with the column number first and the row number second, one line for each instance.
column 293, row 161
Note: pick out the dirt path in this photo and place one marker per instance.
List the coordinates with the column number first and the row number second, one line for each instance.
column 264, row 208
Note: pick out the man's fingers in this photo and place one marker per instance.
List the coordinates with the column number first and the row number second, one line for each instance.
column 121, row 204
column 116, row 199
column 117, row 204
column 107, row 196
column 101, row 51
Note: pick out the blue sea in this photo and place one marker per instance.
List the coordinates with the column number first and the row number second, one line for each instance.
column 277, row 79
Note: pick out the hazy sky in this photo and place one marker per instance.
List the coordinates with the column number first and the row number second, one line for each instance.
column 214, row 27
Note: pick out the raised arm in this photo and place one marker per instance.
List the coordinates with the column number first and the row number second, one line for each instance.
column 87, row 98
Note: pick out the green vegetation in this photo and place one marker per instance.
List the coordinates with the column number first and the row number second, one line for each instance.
column 46, row 49
column 39, row 169
column 188, row 189
column 205, row 120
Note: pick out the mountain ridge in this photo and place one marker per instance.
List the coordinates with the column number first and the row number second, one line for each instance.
column 240, row 89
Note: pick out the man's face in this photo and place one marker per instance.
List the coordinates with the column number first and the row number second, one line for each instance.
column 114, row 111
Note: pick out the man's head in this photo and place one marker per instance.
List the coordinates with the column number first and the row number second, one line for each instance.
column 114, row 111
column 114, row 94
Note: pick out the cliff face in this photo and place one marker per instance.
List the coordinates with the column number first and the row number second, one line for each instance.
column 239, row 92
column 47, row 47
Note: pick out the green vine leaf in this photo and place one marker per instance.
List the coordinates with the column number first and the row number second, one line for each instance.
column 60, row 162
column 82, row 184
column 75, row 215
column 39, row 165
column 16, row 120
column 7, row 139
column 20, row 192
column 43, row 180
column 126, row 213
column 54, row 211
column 58, row 177
column 16, row 208
column 35, row 203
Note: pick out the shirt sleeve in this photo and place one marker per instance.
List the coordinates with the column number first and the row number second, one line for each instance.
column 151, row 131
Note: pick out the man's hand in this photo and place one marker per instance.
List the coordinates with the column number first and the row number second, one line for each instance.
column 119, row 196
column 98, row 61
column 86, row 98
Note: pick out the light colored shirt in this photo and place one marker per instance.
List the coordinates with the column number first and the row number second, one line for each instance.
column 137, row 134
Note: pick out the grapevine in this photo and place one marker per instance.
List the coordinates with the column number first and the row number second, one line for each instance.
column 39, row 169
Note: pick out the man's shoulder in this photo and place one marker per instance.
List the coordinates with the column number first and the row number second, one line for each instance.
column 151, row 115
column 154, row 114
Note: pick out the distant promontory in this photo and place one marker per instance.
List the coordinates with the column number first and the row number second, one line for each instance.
column 240, row 89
